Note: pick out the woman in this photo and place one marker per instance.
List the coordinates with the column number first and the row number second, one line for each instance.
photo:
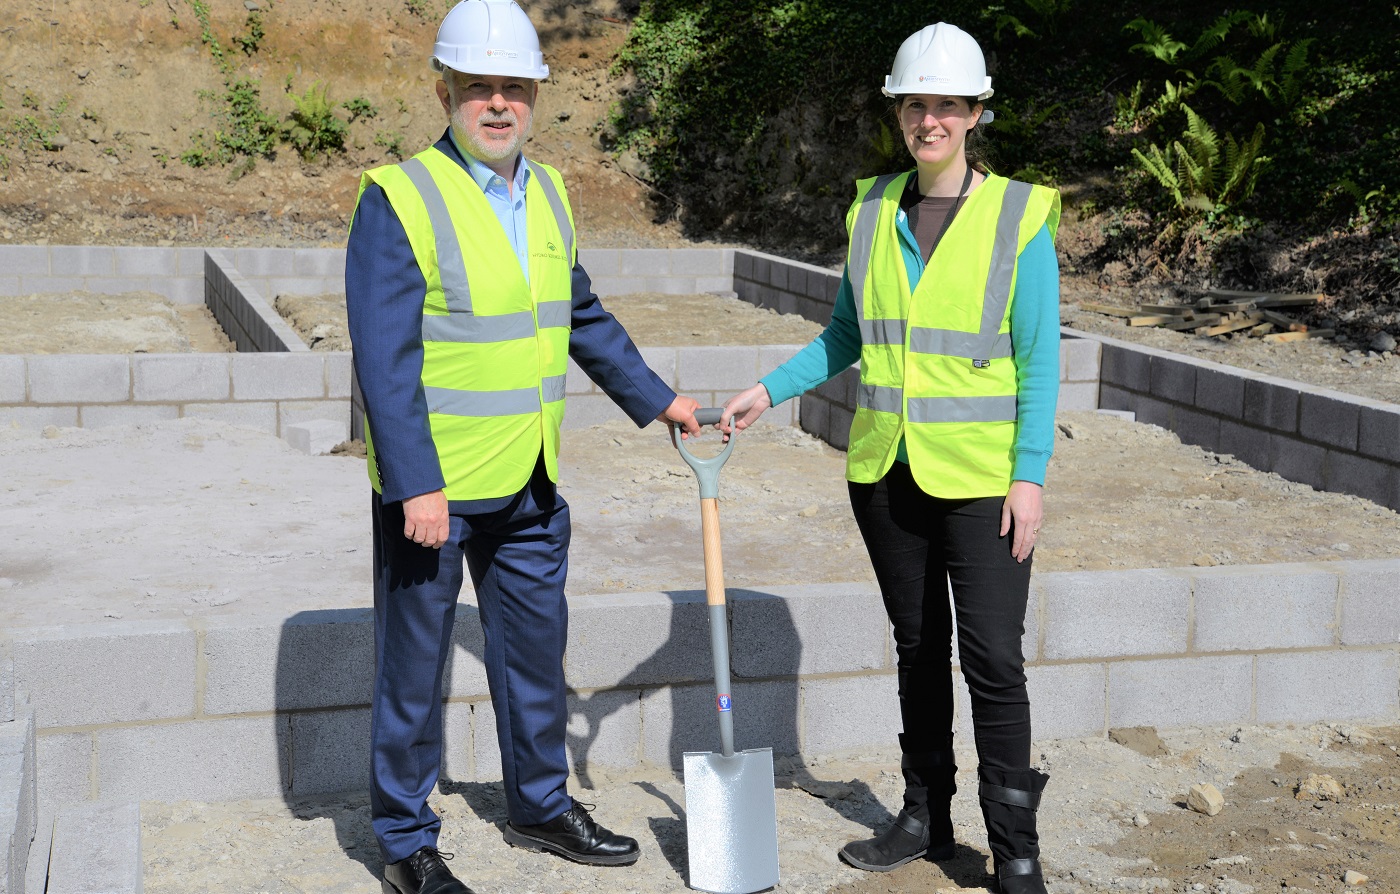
column 950, row 301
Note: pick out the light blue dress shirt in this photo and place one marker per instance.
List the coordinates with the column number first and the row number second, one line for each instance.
column 509, row 206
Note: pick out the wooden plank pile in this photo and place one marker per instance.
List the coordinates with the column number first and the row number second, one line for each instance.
column 1220, row 312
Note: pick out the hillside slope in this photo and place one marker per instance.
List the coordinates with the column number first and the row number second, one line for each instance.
column 100, row 101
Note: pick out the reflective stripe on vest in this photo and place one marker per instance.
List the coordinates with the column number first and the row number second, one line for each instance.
column 987, row 343
column 937, row 364
column 872, row 332
column 556, row 204
column 999, row 408
column 495, row 338
column 451, row 402
column 452, row 270
column 460, row 325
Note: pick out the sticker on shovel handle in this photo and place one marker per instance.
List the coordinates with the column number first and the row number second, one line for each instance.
column 723, row 703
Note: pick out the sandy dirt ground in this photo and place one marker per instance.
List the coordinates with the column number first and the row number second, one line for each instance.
column 125, row 323
column 192, row 516
column 652, row 318
column 1113, row 820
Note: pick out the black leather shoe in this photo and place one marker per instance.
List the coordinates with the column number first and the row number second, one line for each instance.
column 424, row 872
column 904, row 841
column 574, row 834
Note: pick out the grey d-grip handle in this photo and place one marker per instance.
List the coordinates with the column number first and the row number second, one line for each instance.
column 707, row 470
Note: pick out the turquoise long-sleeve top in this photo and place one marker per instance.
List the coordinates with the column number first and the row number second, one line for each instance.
column 1035, row 345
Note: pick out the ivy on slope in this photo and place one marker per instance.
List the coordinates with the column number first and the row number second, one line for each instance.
column 753, row 118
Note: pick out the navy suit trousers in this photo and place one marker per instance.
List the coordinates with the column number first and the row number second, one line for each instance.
column 518, row 559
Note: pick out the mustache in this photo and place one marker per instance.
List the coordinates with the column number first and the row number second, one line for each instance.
column 489, row 117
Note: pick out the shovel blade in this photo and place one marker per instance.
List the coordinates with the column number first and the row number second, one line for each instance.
column 731, row 821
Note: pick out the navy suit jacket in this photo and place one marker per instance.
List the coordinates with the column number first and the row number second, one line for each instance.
column 384, row 292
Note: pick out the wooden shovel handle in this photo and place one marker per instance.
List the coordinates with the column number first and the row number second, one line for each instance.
column 714, row 559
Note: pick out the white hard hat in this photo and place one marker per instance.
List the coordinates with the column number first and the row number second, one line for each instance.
column 489, row 37
column 941, row 59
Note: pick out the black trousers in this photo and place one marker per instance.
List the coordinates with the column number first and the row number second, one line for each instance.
column 918, row 545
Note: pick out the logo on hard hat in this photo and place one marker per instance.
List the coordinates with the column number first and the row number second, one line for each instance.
column 506, row 53
column 935, row 78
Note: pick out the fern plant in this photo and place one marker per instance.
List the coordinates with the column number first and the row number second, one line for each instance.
column 1204, row 173
column 313, row 127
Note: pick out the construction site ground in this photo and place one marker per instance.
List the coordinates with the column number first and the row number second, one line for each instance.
column 1113, row 820
column 195, row 518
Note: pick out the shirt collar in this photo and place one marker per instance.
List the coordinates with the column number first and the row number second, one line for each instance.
column 482, row 174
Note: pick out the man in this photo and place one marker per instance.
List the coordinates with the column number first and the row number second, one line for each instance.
column 465, row 301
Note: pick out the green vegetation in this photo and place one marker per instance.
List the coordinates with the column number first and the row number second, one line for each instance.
column 251, row 39
column 244, row 129
column 391, row 141
column 313, row 128
column 756, row 116
column 36, row 129
column 359, row 107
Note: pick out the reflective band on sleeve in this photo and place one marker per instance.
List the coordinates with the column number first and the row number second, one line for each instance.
column 884, row 398
column 450, row 402
column 963, row 409
column 882, row 332
column 863, row 239
column 552, row 387
column 472, row 329
column 452, row 270
column 998, row 294
column 557, row 205
column 953, row 343
column 557, row 314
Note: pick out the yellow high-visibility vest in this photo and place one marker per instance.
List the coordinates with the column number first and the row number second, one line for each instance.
column 495, row 348
column 936, row 366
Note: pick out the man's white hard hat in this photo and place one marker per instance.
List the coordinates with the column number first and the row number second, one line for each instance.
column 941, row 59
column 489, row 37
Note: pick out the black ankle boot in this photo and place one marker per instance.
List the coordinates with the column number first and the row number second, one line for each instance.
column 924, row 828
column 1009, row 801
column 904, row 841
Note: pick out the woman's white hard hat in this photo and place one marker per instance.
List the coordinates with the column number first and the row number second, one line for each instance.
column 941, row 59
column 489, row 37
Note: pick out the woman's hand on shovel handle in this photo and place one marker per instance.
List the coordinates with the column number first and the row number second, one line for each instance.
column 682, row 412
column 744, row 408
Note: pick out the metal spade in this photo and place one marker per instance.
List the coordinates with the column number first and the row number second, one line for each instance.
column 731, row 814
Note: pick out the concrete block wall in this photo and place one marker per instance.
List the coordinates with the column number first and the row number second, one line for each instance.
column 94, row 391
column 265, row 391
column 229, row 707
column 248, row 319
column 176, row 273
column 789, row 287
column 1315, row 436
column 19, row 809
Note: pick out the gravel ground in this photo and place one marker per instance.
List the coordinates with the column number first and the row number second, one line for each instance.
column 1113, row 820
column 124, row 323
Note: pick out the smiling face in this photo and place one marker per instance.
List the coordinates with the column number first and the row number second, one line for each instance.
column 935, row 127
column 491, row 115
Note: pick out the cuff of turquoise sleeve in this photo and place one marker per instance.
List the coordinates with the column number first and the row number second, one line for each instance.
column 1030, row 467
column 780, row 386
